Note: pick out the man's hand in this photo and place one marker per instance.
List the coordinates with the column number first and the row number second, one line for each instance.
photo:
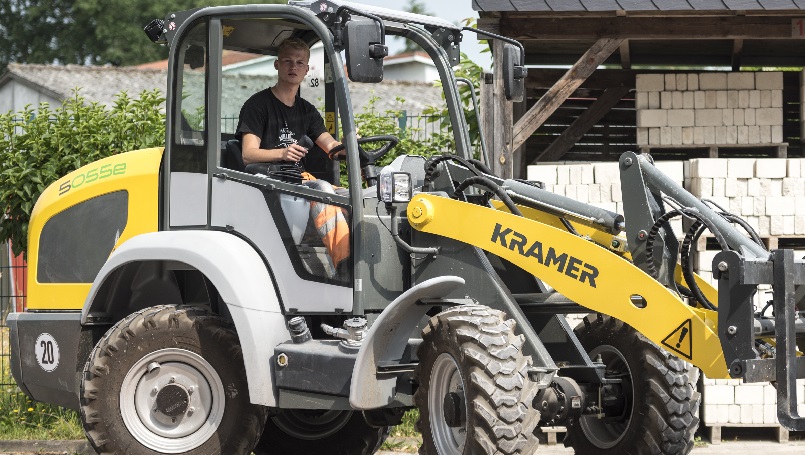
column 293, row 152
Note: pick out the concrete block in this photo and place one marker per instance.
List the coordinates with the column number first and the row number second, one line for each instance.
column 666, row 100
column 673, row 169
column 799, row 225
column 757, row 413
column 731, row 189
column 776, row 226
column 570, row 190
column 765, row 98
column 618, row 207
column 587, row 174
column 732, row 134
column 740, row 81
column 765, row 134
column 732, row 99
column 743, row 99
column 650, row 82
column 710, row 99
column 777, row 134
column 687, row 135
column 747, row 394
column 769, row 394
column 770, row 413
column 800, row 209
column 647, row 118
column 764, row 226
column 753, row 221
column 595, row 193
column 641, row 100
column 707, row 117
column 727, row 117
column 698, row 134
column 583, row 193
column 575, row 174
column 559, row 189
column 742, row 185
column 789, row 225
column 741, row 168
column 753, row 187
column 746, row 413
column 545, row 173
column 719, row 185
column 713, row 81
column 747, row 205
column 679, row 117
column 617, row 194
column 698, row 99
column 688, row 100
column 710, row 135
column 722, row 201
column 769, row 80
column 721, row 99
column 794, row 166
column 710, row 413
column 760, row 206
column 642, row 136
column 738, row 117
column 769, row 116
column 734, row 414
column 693, row 81
column 777, row 98
column 735, row 203
column 743, row 134
column 753, row 134
column 677, row 100
column 665, row 135
column 750, row 117
column 754, row 99
column 682, row 82
column 780, row 205
column 654, row 136
column 793, row 186
column 676, row 135
column 721, row 135
column 708, row 168
column 654, row 100
column 704, row 260
column 670, row 82
column 774, row 168
column 562, row 175
column 719, row 394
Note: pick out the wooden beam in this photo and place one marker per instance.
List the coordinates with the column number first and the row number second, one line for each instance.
column 626, row 58
column 563, row 88
column 737, row 53
column 501, row 147
column 681, row 27
column 582, row 124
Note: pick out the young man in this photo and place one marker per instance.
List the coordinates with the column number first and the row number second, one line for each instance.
column 272, row 122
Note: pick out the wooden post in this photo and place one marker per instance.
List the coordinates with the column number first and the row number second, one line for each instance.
column 487, row 121
column 500, row 147
column 520, row 158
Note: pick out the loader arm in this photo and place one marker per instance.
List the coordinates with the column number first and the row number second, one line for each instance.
column 593, row 276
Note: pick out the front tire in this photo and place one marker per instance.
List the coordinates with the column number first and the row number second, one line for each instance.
column 660, row 414
column 169, row 380
column 474, row 395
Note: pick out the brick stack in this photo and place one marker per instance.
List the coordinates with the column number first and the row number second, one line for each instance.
column 709, row 109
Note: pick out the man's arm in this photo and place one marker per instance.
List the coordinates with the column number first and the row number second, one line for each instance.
column 252, row 153
column 327, row 142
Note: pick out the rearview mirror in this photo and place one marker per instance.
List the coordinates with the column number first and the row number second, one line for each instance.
column 365, row 51
column 514, row 73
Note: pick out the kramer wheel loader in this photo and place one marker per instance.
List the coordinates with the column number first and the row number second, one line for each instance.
column 182, row 302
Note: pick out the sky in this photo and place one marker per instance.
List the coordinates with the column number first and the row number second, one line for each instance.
column 452, row 10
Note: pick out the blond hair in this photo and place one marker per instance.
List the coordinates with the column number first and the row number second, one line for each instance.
column 295, row 44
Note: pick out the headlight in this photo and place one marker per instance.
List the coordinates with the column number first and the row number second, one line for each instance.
column 394, row 186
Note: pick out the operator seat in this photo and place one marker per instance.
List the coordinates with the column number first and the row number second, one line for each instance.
column 232, row 156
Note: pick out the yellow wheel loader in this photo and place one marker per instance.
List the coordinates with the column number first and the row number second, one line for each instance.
column 184, row 302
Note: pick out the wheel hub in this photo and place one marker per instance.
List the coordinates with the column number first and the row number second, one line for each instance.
column 173, row 400
column 454, row 410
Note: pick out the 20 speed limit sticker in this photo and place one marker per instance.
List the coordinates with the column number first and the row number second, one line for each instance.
column 47, row 352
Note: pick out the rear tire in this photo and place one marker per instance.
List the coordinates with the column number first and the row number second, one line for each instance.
column 169, row 380
column 304, row 432
column 474, row 395
column 662, row 405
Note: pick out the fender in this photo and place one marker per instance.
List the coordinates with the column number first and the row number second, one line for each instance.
column 240, row 276
column 387, row 339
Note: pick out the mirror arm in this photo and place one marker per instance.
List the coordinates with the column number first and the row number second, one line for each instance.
column 368, row 15
column 503, row 38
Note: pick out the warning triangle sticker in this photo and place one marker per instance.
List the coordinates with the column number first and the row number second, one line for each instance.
column 680, row 340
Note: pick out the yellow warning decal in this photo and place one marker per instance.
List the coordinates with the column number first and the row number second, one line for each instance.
column 329, row 120
column 227, row 30
column 680, row 340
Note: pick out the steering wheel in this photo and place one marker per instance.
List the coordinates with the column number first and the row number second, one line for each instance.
column 369, row 158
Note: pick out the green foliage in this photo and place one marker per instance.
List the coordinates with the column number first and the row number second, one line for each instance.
column 38, row 147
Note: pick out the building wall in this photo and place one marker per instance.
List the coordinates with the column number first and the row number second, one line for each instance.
column 411, row 72
column 15, row 96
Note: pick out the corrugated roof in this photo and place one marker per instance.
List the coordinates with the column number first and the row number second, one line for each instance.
column 635, row 5
column 101, row 84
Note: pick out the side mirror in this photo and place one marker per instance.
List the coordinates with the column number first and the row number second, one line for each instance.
column 514, row 73
column 365, row 50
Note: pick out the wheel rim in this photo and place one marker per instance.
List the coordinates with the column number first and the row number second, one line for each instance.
column 190, row 382
column 445, row 377
column 607, row 432
column 311, row 425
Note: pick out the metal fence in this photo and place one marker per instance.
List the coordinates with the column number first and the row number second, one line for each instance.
column 13, row 281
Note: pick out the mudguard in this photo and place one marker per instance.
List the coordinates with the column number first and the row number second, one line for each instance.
column 387, row 339
column 240, row 276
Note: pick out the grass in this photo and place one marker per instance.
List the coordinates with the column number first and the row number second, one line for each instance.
column 404, row 437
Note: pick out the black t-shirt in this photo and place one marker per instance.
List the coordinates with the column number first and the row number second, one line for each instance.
column 276, row 124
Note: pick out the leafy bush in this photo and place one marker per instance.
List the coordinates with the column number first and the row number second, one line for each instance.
column 38, row 147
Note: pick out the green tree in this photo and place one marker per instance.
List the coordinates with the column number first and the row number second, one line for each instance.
column 85, row 31
column 38, row 147
column 416, row 7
